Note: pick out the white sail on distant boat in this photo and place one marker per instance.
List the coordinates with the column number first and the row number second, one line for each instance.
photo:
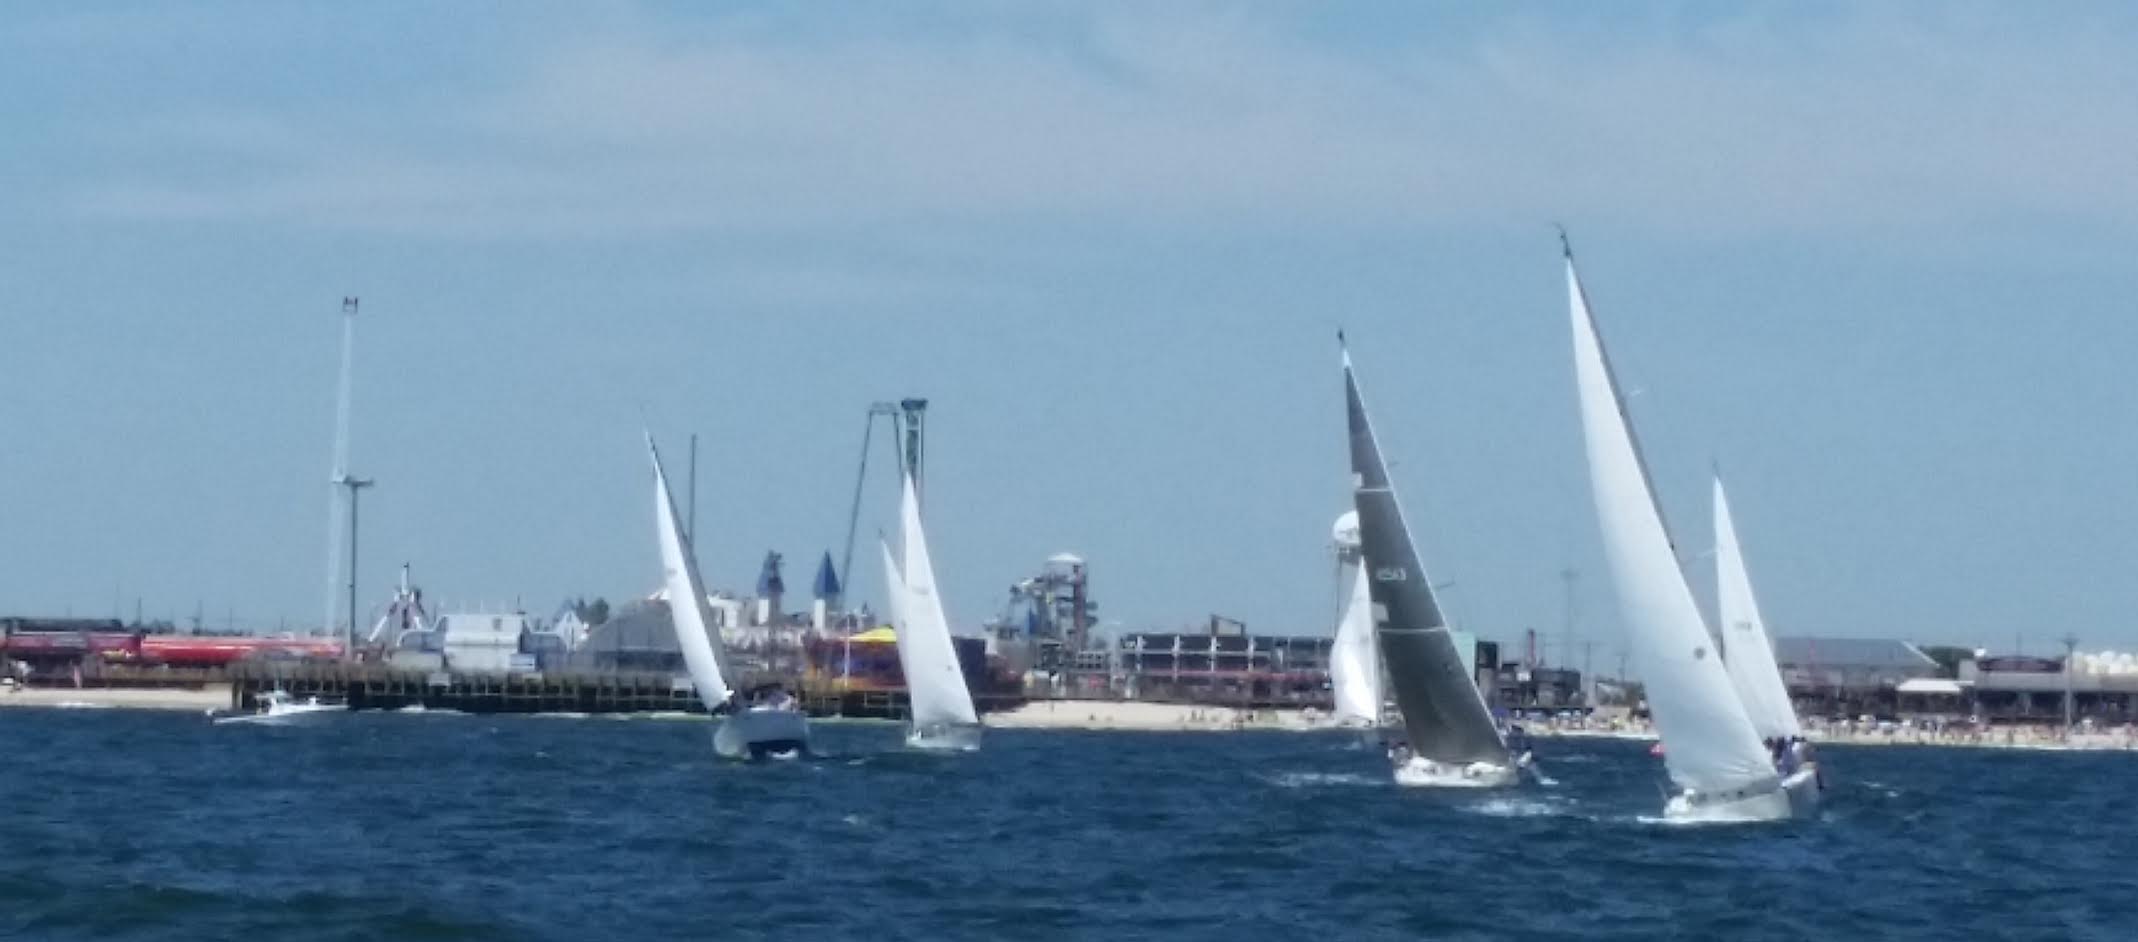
column 894, row 587
column 1747, row 652
column 772, row 725
column 1748, row 655
column 941, row 707
column 1354, row 670
column 1354, row 665
column 1711, row 749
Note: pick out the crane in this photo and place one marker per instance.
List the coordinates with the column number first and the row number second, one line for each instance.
column 890, row 411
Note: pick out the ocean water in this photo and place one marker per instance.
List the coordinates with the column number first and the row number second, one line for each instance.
column 122, row 825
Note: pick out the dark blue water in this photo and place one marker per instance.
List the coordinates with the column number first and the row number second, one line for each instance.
column 156, row 826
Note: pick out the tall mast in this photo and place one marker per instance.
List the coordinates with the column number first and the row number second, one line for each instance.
column 915, row 413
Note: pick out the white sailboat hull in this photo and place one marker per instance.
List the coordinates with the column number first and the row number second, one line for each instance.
column 1796, row 796
column 1420, row 772
column 762, row 732
column 944, row 737
column 1804, row 789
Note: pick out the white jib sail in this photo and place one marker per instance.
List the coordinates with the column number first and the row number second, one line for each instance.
column 1709, row 742
column 935, row 686
column 1354, row 669
column 686, row 596
column 894, row 590
column 1746, row 649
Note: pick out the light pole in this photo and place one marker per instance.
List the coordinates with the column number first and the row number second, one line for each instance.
column 355, row 485
column 2071, row 644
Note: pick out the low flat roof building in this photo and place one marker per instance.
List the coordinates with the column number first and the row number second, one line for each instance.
column 1849, row 664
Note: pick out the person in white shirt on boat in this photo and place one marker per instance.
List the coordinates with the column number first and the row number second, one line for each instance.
column 1518, row 746
column 1800, row 755
column 1399, row 752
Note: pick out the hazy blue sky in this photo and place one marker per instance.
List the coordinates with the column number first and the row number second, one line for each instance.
column 1876, row 259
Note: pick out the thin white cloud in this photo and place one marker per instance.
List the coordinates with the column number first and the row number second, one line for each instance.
column 1869, row 123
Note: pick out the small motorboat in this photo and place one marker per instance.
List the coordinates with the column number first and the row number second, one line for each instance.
column 278, row 707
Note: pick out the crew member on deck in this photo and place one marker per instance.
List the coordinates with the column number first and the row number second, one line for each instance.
column 1518, row 745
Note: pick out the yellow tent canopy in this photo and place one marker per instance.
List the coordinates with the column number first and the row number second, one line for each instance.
column 880, row 635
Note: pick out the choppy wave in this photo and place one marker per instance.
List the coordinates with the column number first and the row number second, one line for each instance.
column 1514, row 806
column 125, row 824
column 1322, row 779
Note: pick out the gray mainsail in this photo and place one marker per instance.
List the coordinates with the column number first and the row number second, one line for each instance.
column 1443, row 712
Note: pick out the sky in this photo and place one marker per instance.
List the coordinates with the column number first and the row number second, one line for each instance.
column 1874, row 260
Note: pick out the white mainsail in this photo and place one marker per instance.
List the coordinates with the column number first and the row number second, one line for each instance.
column 935, row 686
column 1354, row 670
column 686, row 596
column 1709, row 742
column 1747, row 652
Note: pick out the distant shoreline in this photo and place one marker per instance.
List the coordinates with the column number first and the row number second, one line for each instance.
column 205, row 698
column 1037, row 714
column 1143, row 716
column 2039, row 739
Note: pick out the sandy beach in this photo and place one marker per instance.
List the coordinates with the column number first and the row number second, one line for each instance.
column 2046, row 738
column 1152, row 717
column 208, row 697
column 1187, row 717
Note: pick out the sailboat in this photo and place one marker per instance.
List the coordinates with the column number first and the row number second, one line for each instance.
column 1452, row 738
column 940, row 705
column 1748, row 655
column 1354, row 665
column 772, row 724
column 1711, row 750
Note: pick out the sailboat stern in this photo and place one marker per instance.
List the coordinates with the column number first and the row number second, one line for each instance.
column 760, row 733
column 1804, row 787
